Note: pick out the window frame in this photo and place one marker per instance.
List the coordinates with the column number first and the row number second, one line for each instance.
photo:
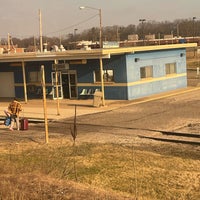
column 146, row 72
column 108, row 76
column 34, row 76
column 170, row 69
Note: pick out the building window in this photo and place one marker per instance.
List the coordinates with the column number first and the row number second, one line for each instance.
column 108, row 76
column 146, row 72
column 170, row 68
column 34, row 76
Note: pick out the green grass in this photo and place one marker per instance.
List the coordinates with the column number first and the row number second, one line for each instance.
column 147, row 173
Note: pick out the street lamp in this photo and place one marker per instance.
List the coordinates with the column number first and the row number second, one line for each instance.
column 100, row 22
column 142, row 21
column 100, row 46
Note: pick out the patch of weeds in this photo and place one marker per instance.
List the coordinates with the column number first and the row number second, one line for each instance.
column 147, row 174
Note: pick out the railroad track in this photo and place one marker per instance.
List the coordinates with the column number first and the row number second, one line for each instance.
column 154, row 134
column 124, row 131
column 175, row 137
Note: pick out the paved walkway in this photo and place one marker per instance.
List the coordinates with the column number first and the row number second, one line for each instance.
column 65, row 108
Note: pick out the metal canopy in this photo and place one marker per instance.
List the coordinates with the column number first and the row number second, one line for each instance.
column 86, row 54
column 51, row 56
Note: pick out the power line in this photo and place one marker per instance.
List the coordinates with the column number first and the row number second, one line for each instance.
column 69, row 27
column 61, row 30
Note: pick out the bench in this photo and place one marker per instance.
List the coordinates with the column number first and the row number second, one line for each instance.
column 86, row 93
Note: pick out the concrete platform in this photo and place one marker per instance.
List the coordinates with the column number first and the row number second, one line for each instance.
column 65, row 108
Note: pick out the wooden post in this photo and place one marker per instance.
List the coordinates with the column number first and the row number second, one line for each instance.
column 102, row 82
column 24, row 80
column 57, row 92
column 44, row 104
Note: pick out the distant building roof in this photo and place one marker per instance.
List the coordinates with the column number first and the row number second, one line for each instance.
column 13, row 49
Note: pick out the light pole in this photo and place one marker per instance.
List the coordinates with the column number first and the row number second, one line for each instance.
column 100, row 46
column 177, row 30
column 75, row 37
column 142, row 21
column 100, row 22
column 194, row 31
column 193, row 27
column 75, row 32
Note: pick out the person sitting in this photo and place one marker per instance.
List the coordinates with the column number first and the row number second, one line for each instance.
column 13, row 111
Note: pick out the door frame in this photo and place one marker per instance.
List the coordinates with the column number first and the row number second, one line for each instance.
column 57, row 85
column 70, row 85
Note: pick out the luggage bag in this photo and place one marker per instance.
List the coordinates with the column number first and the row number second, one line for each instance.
column 24, row 124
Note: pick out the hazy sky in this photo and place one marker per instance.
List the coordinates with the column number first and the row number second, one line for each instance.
column 20, row 18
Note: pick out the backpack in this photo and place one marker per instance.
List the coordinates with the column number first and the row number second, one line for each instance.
column 7, row 121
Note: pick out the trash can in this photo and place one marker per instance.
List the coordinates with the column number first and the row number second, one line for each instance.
column 97, row 100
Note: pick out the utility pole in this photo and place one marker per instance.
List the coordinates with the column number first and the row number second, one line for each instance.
column 194, row 18
column 40, row 20
column 34, row 42
column 8, row 42
column 118, row 38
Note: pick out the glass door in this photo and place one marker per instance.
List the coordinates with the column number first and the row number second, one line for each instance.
column 69, row 83
column 56, row 78
column 73, row 85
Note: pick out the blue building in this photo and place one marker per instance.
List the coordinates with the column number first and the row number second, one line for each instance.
column 127, row 73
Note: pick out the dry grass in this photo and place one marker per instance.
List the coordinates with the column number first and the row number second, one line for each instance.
column 119, row 171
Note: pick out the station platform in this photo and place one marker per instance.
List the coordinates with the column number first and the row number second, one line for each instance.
column 65, row 108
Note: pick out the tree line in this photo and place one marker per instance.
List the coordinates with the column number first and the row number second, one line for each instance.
column 177, row 28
